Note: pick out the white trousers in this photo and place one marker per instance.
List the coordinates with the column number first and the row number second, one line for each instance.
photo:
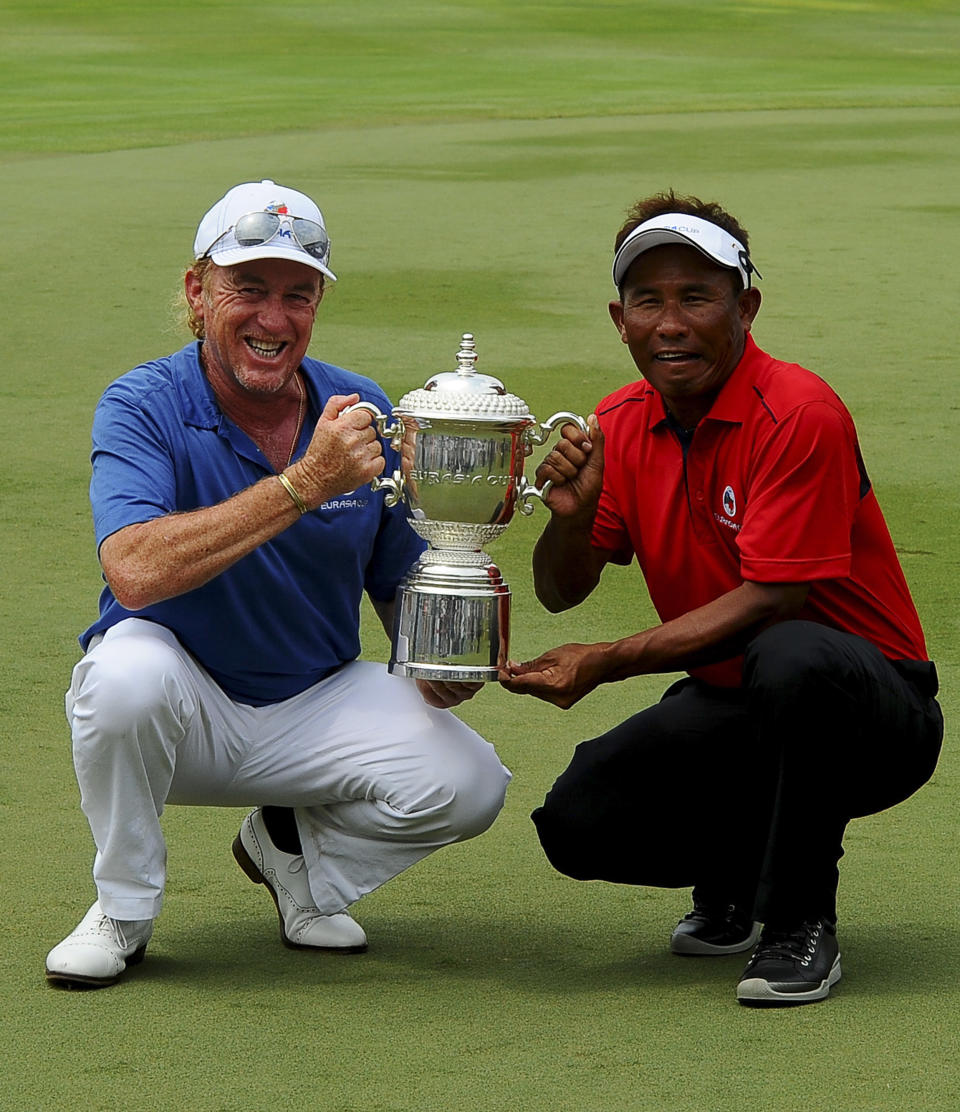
column 377, row 778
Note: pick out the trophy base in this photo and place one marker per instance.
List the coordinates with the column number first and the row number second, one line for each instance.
column 452, row 620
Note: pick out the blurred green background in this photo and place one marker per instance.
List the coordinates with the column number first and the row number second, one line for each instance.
column 473, row 160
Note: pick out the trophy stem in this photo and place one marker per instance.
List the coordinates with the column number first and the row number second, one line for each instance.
column 452, row 621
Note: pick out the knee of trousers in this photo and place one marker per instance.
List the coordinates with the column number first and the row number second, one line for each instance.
column 566, row 851
column 125, row 691
column 568, row 839
column 469, row 798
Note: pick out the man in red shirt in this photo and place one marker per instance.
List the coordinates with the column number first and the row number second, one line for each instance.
column 737, row 482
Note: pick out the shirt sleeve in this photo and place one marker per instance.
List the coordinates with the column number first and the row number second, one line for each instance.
column 804, row 488
column 132, row 468
column 609, row 531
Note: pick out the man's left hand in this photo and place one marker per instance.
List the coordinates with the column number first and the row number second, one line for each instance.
column 445, row 694
column 562, row 676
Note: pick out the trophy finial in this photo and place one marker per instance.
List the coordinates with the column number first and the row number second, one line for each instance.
column 467, row 355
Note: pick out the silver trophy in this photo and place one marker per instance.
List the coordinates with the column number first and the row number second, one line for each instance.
column 462, row 441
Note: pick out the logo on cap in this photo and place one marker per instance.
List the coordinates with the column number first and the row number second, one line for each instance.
column 278, row 207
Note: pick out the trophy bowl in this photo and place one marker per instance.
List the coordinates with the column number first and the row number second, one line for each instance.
column 462, row 440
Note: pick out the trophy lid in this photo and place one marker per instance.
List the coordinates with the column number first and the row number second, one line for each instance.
column 463, row 393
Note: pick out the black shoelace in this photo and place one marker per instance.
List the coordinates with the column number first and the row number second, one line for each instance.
column 798, row 944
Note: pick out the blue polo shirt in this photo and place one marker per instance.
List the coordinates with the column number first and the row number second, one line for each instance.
column 287, row 614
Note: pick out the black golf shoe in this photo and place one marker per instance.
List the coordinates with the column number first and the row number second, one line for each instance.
column 798, row 965
column 711, row 931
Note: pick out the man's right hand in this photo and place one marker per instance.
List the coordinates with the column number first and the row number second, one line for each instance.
column 344, row 453
column 566, row 566
column 575, row 467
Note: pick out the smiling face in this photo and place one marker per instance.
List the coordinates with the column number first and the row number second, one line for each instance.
column 685, row 323
column 257, row 321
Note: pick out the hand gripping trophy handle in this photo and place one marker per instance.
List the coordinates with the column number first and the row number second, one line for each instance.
column 393, row 484
column 539, row 436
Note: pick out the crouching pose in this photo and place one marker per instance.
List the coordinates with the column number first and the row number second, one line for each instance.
column 736, row 481
column 237, row 533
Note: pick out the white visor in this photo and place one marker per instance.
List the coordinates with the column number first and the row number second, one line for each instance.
column 693, row 231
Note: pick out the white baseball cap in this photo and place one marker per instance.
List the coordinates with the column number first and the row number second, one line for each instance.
column 300, row 233
column 694, row 231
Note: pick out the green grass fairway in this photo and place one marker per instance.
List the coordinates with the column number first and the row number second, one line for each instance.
column 473, row 160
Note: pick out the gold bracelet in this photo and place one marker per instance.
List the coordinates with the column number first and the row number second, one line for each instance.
column 289, row 488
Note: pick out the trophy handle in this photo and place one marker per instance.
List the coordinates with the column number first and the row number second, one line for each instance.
column 539, row 436
column 556, row 421
column 393, row 433
column 394, row 484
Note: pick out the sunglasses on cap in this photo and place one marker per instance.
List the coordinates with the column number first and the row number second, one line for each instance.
column 254, row 229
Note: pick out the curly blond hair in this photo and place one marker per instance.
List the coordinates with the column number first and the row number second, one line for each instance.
column 201, row 268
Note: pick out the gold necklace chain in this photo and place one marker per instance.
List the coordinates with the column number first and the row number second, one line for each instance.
column 300, row 406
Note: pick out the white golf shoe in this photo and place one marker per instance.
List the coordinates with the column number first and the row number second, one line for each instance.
column 302, row 925
column 98, row 950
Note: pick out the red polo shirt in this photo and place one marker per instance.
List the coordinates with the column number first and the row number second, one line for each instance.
column 772, row 490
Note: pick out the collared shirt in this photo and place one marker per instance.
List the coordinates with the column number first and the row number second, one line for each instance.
column 287, row 614
column 771, row 488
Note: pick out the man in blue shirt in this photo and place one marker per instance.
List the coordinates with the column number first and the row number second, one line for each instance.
column 237, row 532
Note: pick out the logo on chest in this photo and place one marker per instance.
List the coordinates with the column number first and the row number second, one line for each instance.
column 347, row 501
column 728, row 504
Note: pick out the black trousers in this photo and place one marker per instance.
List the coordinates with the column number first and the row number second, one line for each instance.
column 745, row 794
